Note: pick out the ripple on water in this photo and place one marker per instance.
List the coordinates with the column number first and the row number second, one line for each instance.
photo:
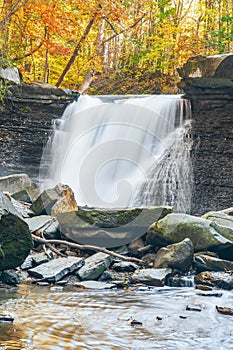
column 101, row 320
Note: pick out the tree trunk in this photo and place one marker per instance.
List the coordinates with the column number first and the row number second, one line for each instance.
column 83, row 88
column 76, row 50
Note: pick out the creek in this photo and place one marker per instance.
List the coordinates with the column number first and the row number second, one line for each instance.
column 100, row 319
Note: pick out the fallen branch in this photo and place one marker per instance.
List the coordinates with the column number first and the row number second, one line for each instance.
column 85, row 247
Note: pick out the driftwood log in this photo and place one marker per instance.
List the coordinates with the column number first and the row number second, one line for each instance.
column 85, row 247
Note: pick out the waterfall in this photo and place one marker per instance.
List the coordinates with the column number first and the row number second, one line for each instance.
column 122, row 152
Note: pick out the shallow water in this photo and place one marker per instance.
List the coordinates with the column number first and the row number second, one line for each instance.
column 100, row 320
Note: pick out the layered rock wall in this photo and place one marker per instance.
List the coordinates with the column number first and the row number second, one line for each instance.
column 212, row 132
column 26, row 121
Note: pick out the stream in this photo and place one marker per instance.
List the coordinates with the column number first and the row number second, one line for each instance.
column 69, row 318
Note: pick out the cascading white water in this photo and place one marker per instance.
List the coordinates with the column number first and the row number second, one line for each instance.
column 122, row 153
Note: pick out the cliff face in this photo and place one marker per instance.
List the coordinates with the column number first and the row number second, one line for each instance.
column 26, row 122
column 212, row 131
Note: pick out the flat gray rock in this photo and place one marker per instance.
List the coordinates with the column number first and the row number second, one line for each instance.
column 94, row 266
column 56, row 269
column 153, row 277
column 46, row 224
column 95, row 285
column 209, row 263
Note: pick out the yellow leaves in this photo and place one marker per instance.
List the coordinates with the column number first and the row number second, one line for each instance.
column 127, row 35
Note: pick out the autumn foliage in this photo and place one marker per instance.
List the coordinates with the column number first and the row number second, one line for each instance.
column 120, row 38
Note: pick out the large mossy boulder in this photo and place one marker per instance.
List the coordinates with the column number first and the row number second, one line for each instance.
column 109, row 228
column 204, row 234
column 224, row 222
column 15, row 237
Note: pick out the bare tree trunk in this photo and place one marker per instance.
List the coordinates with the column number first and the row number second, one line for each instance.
column 76, row 50
column 83, row 88
column 46, row 66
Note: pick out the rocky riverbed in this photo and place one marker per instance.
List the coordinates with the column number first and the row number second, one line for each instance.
column 57, row 276
column 46, row 239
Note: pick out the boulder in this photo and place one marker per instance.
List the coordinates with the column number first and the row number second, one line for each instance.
column 55, row 200
column 15, row 183
column 204, row 234
column 94, row 266
column 10, row 277
column 177, row 256
column 109, row 228
column 135, row 245
column 10, row 74
column 124, row 266
column 15, row 237
column 222, row 222
column 22, row 196
column 46, row 224
column 152, row 277
column 210, row 263
column 221, row 280
column 149, row 259
column 216, row 66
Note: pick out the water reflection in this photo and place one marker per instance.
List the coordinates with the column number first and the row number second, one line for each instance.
column 81, row 319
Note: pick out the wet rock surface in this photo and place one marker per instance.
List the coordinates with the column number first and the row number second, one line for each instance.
column 222, row 280
column 162, row 256
column 109, row 227
column 177, row 256
column 55, row 201
column 94, row 266
column 203, row 233
column 15, row 238
column 45, row 224
column 209, row 263
column 26, row 121
column 56, row 269
column 152, row 277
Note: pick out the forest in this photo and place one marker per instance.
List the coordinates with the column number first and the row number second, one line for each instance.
column 123, row 44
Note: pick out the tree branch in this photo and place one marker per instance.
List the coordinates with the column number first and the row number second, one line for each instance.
column 17, row 6
column 124, row 30
column 29, row 53
column 76, row 50
column 85, row 247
